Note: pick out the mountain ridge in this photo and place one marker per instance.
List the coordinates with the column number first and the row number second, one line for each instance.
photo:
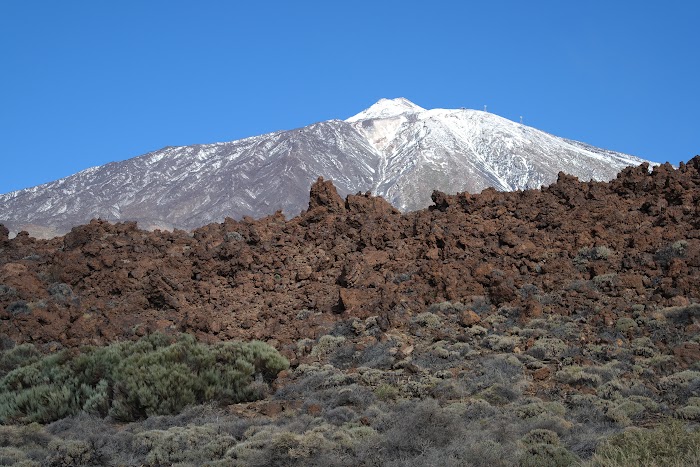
column 394, row 149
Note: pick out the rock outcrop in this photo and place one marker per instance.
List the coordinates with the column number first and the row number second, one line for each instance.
column 601, row 251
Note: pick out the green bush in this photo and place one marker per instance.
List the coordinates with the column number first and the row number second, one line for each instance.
column 191, row 444
column 65, row 452
column 668, row 444
column 547, row 455
column 678, row 387
column 548, row 348
column 625, row 324
column 17, row 356
column 576, row 375
column 534, row 409
column 326, row 345
column 23, row 445
column 690, row 411
column 386, row 392
column 540, row 436
column 132, row 380
column 428, row 320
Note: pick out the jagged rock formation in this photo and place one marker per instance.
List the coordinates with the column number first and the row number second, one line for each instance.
column 600, row 251
column 395, row 149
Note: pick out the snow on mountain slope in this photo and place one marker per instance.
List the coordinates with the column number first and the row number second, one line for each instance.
column 186, row 187
column 394, row 148
column 387, row 108
column 469, row 150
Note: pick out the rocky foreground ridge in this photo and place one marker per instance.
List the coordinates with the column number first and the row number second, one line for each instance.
column 598, row 251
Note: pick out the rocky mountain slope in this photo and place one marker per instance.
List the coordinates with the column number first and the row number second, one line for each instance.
column 394, row 149
column 498, row 329
column 360, row 257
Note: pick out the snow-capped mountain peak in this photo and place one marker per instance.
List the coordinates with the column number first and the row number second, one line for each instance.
column 387, row 108
column 395, row 148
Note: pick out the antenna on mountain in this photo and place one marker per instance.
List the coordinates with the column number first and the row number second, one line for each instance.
column 485, row 109
column 521, row 119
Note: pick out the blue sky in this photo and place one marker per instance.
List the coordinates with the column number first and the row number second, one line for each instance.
column 83, row 83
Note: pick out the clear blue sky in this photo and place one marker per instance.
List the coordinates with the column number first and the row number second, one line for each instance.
column 83, row 83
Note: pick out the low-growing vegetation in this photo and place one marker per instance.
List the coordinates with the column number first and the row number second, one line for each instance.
column 133, row 380
column 407, row 400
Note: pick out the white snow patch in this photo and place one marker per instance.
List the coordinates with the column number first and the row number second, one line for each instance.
column 386, row 108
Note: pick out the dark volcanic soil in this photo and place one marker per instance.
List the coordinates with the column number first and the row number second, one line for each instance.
column 595, row 251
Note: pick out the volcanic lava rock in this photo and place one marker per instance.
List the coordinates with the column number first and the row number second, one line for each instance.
column 593, row 249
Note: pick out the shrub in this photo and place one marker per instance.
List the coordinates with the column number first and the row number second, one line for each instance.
column 499, row 394
column 505, row 370
column 377, row 355
column 386, row 392
column 604, row 282
column 679, row 386
column 683, row 314
column 547, row 348
column 543, row 448
column 132, row 380
column 541, row 436
column 625, row 324
column 500, row 343
column 17, row 356
column 670, row 252
column 15, row 457
column 60, row 292
column 596, row 253
column 419, row 425
column 576, row 375
column 22, row 445
column 644, row 347
column 71, row 452
column 428, row 320
column 7, row 292
column 534, row 409
column 446, row 308
column 20, row 307
column 193, row 444
column 547, row 455
column 326, row 345
column 624, row 412
column 668, row 444
column 316, row 444
column 690, row 411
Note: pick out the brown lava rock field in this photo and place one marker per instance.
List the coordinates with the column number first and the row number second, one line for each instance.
column 594, row 251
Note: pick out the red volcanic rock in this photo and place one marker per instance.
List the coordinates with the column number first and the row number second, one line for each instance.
column 688, row 353
column 367, row 204
column 323, row 194
column 469, row 318
column 589, row 249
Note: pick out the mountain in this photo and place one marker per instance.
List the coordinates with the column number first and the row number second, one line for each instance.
column 394, row 149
